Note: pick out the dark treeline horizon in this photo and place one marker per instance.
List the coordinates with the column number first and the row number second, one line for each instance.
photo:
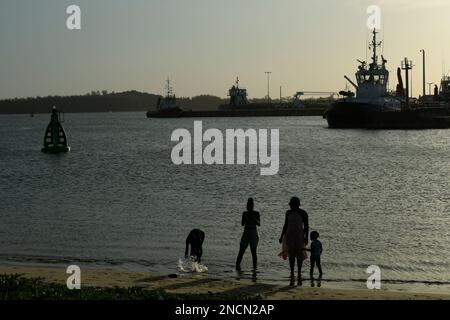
column 104, row 101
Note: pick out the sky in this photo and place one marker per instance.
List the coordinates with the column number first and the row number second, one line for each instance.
column 203, row 45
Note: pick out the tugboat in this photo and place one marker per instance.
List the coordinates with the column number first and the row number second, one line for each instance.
column 55, row 139
column 371, row 94
column 374, row 107
column 166, row 107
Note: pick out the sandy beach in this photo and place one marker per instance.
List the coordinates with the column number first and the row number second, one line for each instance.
column 204, row 284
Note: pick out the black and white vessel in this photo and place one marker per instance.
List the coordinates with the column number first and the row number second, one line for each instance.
column 371, row 94
column 238, row 96
column 166, row 107
column 374, row 107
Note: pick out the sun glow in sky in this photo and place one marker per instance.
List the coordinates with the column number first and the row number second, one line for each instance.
column 202, row 45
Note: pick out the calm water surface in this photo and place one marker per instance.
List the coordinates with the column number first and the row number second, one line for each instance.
column 116, row 200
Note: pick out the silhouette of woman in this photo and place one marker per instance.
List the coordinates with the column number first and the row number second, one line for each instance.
column 294, row 236
column 250, row 221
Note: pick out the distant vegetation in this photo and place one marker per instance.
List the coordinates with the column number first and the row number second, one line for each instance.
column 104, row 101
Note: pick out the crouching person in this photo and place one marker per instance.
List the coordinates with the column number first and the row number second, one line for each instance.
column 195, row 240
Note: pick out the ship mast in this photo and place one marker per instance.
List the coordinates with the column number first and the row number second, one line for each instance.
column 373, row 46
column 169, row 89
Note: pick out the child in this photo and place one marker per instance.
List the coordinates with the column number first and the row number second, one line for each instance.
column 316, row 251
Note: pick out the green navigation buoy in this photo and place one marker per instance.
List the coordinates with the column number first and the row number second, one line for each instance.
column 55, row 140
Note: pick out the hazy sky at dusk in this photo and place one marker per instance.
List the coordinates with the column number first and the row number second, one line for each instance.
column 202, row 45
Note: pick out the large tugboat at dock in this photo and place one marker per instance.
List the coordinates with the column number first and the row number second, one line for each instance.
column 373, row 107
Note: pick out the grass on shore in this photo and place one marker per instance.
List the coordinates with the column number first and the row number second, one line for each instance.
column 16, row 287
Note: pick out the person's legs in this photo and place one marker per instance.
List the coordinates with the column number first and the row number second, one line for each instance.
column 319, row 267
column 292, row 264
column 253, row 248
column 242, row 249
column 299, row 266
column 313, row 262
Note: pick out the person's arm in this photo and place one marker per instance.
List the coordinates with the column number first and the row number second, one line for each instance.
column 187, row 247
column 284, row 229
column 321, row 249
column 258, row 219
column 202, row 238
column 199, row 255
column 306, row 227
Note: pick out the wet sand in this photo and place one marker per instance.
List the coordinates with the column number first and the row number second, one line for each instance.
column 204, row 284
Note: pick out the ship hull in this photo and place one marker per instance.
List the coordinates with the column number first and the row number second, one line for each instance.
column 345, row 115
column 170, row 113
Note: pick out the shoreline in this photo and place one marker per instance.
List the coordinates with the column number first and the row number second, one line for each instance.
column 204, row 284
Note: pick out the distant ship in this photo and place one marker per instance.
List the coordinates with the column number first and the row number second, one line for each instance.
column 166, row 107
column 373, row 107
column 440, row 96
column 239, row 102
column 238, row 106
column 55, row 139
column 238, row 96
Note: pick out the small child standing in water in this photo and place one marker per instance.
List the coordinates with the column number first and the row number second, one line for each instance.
column 316, row 251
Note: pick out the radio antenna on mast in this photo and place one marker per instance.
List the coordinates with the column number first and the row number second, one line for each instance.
column 367, row 41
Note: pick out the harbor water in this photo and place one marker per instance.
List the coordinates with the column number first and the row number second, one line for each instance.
column 117, row 200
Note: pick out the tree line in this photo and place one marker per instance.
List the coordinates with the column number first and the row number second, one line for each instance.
column 103, row 101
